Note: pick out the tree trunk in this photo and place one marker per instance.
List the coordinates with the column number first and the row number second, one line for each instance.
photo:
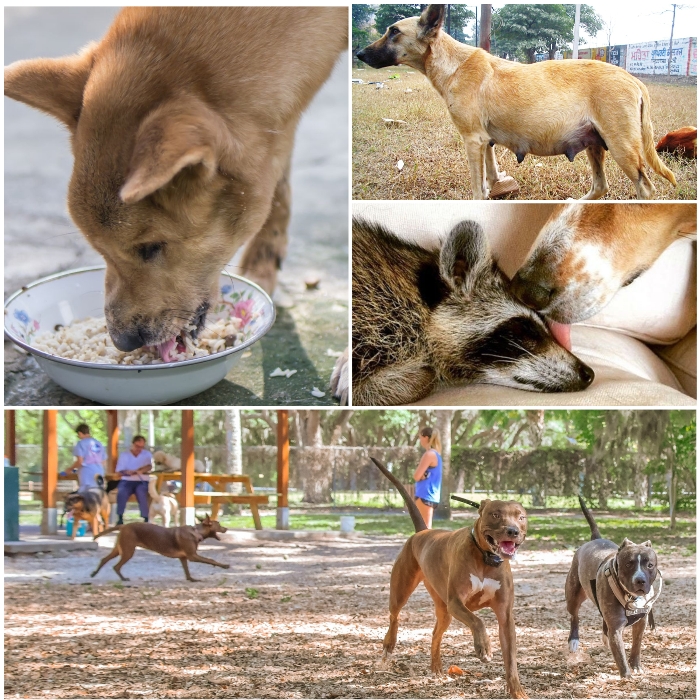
column 535, row 430
column 485, row 42
column 670, row 43
column 672, row 481
column 444, row 428
column 316, row 467
column 234, row 447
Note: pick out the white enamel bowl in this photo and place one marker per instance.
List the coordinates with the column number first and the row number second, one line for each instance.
column 79, row 294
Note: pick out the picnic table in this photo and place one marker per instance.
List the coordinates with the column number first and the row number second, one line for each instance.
column 218, row 495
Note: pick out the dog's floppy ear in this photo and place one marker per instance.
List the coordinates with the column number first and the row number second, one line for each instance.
column 483, row 505
column 180, row 133
column 53, row 85
column 464, row 256
column 430, row 21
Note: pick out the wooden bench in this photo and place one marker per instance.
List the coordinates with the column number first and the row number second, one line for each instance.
column 219, row 494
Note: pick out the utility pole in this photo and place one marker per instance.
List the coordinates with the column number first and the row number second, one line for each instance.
column 577, row 22
column 485, row 42
column 476, row 26
column 670, row 43
column 449, row 20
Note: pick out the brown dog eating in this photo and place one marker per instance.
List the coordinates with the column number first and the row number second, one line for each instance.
column 182, row 124
column 463, row 571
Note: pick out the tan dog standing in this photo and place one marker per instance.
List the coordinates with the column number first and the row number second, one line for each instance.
column 463, row 571
column 547, row 108
column 162, row 505
column 182, row 123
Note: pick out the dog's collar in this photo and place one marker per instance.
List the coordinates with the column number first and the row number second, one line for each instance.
column 633, row 604
column 490, row 559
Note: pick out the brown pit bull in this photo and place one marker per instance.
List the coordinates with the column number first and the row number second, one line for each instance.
column 464, row 571
column 175, row 542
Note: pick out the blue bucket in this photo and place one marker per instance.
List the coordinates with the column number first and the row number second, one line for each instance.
column 82, row 528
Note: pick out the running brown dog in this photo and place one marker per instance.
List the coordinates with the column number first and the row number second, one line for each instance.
column 182, row 123
column 174, row 542
column 463, row 571
column 91, row 505
column 547, row 109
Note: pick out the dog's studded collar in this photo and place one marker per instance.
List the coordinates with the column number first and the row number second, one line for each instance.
column 490, row 559
column 634, row 605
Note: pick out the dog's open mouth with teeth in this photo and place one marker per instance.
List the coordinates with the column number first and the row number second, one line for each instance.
column 504, row 548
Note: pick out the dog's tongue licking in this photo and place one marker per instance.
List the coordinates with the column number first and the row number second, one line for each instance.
column 561, row 333
column 507, row 547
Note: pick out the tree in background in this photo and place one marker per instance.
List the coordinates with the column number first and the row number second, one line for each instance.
column 529, row 29
column 456, row 17
column 362, row 20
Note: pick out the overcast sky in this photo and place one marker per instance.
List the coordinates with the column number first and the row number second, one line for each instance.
column 644, row 20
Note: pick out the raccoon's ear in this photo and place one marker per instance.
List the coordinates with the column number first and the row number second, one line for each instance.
column 430, row 21
column 53, row 85
column 464, row 256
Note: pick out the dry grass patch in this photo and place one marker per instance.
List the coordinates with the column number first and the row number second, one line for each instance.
column 435, row 164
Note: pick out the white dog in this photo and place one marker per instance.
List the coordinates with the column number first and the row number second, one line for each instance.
column 163, row 505
column 168, row 463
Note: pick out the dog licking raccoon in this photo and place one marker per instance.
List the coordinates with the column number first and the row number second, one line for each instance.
column 424, row 317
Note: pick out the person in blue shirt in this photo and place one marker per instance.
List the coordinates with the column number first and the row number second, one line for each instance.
column 133, row 467
column 428, row 475
column 89, row 456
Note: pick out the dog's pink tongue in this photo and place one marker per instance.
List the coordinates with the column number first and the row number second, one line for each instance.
column 561, row 333
column 166, row 350
column 508, row 547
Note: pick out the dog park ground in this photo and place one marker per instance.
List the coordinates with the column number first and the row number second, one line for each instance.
column 305, row 618
column 435, row 162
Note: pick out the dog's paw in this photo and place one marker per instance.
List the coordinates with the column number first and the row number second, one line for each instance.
column 637, row 667
column 340, row 379
column 573, row 645
column 483, row 651
column 225, row 566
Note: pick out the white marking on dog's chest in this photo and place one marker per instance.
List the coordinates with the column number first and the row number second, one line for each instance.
column 488, row 587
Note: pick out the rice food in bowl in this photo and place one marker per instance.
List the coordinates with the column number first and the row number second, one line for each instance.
column 88, row 340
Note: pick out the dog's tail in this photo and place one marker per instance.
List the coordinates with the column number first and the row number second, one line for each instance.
column 418, row 522
column 648, row 145
column 116, row 528
column 595, row 532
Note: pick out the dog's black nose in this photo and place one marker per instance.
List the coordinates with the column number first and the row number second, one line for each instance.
column 127, row 340
column 533, row 294
column 512, row 532
column 361, row 55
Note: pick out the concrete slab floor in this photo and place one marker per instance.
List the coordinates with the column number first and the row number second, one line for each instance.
column 41, row 239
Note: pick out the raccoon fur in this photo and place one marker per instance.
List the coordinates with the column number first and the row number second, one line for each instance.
column 423, row 317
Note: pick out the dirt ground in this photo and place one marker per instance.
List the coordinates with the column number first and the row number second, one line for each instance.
column 306, row 619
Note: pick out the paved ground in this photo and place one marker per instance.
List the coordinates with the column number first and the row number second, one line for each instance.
column 40, row 238
column 306, row 619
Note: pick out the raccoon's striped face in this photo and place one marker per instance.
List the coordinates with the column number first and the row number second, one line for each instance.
column 521, row 352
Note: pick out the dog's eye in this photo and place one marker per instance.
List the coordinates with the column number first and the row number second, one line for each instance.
column 650, row 565
column 394, row 31
column 149, row 251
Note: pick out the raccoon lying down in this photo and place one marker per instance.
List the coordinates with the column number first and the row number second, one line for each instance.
column 420, row 317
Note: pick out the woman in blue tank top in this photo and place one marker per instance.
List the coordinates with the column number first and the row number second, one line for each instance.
column 428, row 476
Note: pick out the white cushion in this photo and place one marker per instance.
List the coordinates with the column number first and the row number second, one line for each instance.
column 682, row 358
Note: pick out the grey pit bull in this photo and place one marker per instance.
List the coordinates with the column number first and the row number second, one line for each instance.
column 619, row 580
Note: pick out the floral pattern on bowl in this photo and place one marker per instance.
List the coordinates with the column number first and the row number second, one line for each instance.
column 28, row 328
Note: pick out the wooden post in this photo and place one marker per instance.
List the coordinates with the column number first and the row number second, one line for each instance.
column 282, row 470
column 112, row 441
column 49, row 474
column 485, row 42
column 10, row 438
column 187, row 469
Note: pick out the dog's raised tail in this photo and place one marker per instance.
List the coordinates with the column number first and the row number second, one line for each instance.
column 648, row 145
column 116, row 528
column 595, row 532
column 418, row 522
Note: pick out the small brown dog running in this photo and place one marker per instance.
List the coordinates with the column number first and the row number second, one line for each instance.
column 174, row 542
column 463, row 571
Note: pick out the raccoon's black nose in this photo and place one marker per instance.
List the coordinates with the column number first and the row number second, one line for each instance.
column 533, row 294
column 587, row 374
